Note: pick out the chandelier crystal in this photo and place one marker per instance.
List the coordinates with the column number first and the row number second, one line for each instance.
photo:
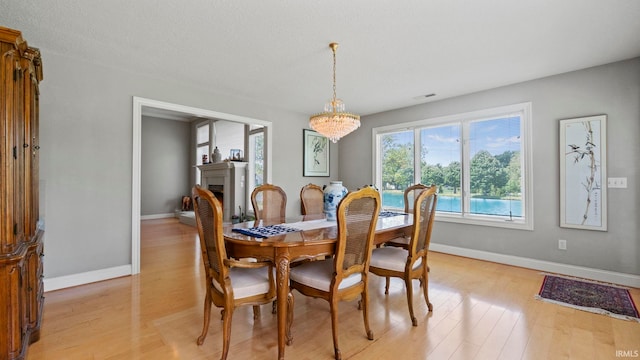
column 334, row 122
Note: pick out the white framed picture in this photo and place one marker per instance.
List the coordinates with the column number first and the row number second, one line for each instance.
column 583, row 173
column 315, row 154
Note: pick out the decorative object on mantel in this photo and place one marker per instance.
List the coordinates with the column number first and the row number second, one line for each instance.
column 216, row 156
column 583, row 173
column 236, row 155
column 334, row 122
column 332, row 196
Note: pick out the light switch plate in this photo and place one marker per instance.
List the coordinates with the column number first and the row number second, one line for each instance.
column 617, row 182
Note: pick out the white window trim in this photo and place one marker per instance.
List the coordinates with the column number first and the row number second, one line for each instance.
column 526, row 157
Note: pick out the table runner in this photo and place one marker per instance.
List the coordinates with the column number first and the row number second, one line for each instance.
column 386, row 213
column 266, row 231
column 281, row 229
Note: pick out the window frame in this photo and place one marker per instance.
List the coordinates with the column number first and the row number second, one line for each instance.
column 251, row 156
column 463, row 120
column 198, row 160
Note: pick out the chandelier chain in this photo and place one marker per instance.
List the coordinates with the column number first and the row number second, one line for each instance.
column 334, row 77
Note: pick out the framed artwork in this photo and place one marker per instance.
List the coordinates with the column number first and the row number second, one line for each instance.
column 583, row 173
column 315, row 154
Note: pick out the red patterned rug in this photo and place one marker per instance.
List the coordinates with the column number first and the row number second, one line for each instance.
column 589, row 296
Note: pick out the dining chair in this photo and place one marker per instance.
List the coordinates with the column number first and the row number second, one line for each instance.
column 230, row 283
column 410, row 195
column 410, row 263
column 344, row 276
column 311, row 200
column 269, row 202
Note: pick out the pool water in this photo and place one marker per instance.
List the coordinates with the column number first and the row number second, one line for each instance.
column 452, row 204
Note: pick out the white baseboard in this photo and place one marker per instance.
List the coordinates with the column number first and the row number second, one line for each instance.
column 62, row 282
column 548, row 266
column 51, row 284
column 157, row 216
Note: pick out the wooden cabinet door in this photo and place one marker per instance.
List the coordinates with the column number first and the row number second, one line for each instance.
column 18, row 128
column 30, row 145
column 12, row 316
column 33, row 271
column 9, row 66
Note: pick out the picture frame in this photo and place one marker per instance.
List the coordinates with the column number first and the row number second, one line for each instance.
column 583, row 173
column 236, row 155
column 315, row 154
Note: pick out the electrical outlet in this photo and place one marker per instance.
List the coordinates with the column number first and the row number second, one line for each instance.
column 562, row 244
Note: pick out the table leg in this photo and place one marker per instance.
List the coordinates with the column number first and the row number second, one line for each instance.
column 282, row 285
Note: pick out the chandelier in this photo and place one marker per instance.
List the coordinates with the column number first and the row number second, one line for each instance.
column 334, row 122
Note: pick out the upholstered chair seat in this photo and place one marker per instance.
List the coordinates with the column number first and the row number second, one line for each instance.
column 247, row 282
column 319, row 274
column 392, row 258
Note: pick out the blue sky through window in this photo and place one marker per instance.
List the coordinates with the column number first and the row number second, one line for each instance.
column 442, row 143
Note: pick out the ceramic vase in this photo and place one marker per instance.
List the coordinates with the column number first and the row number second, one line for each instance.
column 332, row 196
column 216, row 156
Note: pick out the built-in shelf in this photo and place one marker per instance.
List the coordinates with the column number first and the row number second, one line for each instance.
column 231, row 175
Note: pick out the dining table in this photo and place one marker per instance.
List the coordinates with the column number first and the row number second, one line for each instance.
column 304, row 237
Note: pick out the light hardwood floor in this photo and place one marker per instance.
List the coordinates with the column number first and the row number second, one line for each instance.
column 482, row 310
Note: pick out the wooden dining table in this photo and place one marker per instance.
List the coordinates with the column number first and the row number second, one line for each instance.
column 305, row 244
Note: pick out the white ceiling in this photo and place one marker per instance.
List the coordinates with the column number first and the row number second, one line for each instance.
column 391, row 51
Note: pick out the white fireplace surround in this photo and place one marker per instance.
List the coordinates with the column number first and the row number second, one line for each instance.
column 231, row 175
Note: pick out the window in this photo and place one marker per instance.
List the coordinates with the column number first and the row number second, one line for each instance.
column 480, row 162
column 256, row 156
column 202, row 145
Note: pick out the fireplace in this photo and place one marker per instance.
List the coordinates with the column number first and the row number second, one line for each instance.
column 226, row 181
column 218, row 192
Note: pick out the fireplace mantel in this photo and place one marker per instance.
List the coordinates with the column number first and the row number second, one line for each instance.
column 232, row 175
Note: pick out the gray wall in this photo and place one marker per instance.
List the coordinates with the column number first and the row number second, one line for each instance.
column 86, row 160
column 613, row 90
column 164, row 175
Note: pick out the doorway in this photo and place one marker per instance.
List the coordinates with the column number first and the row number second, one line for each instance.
column 140, row 104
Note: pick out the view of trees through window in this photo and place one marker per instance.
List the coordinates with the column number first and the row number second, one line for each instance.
column 256, row 142
column 483, row 156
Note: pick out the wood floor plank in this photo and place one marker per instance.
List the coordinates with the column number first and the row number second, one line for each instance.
column 482, row 310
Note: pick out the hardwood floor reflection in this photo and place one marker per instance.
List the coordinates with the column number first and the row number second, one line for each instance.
column 482, row 310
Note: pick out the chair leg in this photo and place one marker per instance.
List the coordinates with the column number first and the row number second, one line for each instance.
column 386, row 285
column 290, row 304
column 333, row 303
column 256, row 312
column 409, row 283
column 274, row 307
column 207, row 317
column 226, row 332
column 425, row 290
column 365, row 313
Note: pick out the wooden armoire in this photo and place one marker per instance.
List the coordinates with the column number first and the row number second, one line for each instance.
column 21, row 237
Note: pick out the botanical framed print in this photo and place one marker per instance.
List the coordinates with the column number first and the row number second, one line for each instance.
column 315, row 154
column 583, row 173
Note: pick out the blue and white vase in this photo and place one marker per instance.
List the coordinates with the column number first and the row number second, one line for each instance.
column 332, row 196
